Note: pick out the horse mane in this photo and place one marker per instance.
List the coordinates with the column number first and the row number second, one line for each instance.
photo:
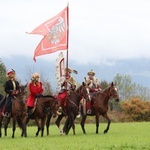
column 50, row 96
column 78, row 89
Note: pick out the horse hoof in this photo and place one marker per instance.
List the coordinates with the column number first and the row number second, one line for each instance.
column 61, row 132
column 78, row 116
column 105, row 131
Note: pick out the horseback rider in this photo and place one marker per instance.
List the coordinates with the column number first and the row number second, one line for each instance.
column 93, row 84
column 66, row 83
column 12, row 89
column 35, row 90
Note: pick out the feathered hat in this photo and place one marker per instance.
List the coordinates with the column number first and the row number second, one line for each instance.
column 70, row 71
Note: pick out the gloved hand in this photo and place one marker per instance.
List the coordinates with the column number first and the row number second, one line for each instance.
column 13, row 93
column 96, row 90
column 17, row 92
column 38, row 95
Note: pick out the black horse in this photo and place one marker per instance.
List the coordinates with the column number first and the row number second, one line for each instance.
column 100, row 106
column 73, row 100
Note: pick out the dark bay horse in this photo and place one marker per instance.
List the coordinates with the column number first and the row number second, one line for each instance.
column 100, row 106
column 73, row 99
column 18, row 113
column 44, row 106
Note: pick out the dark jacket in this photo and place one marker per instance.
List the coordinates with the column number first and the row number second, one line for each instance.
column 9, row 86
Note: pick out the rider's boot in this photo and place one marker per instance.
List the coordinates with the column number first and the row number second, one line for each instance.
column 7, row 114
column 59, row 111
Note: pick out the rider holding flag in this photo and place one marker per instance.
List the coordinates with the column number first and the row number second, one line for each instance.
column 65, row 84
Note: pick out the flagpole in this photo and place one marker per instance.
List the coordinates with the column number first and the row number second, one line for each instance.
column 67, row 38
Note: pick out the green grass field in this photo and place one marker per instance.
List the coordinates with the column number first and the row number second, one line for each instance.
column 121, row 136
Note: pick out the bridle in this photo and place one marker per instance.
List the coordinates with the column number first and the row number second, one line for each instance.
column 81, row 92
column 110, row 92
column 47, row 109
column 21, row 96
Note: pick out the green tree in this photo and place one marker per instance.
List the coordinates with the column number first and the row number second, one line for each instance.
column 129, row 89
column 3, row 77
column 104, row 84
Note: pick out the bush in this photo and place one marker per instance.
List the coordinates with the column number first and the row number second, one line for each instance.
column 136, row 109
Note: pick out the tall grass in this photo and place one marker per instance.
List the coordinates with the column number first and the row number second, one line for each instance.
column 121, row 136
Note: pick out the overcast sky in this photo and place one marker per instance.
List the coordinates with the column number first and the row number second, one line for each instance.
column 100, row 31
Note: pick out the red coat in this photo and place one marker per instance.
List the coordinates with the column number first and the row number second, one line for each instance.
column 34, row 91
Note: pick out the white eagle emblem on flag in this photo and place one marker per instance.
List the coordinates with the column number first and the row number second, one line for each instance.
column 56, row 32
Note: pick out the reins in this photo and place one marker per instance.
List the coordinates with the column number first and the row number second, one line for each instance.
column 80, row 94
column 108, row 94
column 42, row 104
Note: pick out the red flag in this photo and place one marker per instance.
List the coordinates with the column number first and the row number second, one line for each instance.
column 55, row 34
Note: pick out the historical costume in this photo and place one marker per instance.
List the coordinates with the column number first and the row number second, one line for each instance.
column 65, row 84
column 11, row 89
column 35, row 90
column 93, row 84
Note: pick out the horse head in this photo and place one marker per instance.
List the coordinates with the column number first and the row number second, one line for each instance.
column 83, row 91
column 54, row 107
column 22, row 94
column 113, row 92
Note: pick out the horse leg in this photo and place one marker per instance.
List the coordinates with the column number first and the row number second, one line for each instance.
column 48, row 122
column 26, row 123
column 6, row 125
column 14, row 127
column 109, row 121
column 39, row 128
column 65, row 128
column 24, row 128
column 1, row 119
column 97, row 122
column 71, row 123
column 83, row 123
column 57, row 122
column 42, row 126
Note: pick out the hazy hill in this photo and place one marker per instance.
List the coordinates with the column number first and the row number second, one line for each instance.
column 138, row 69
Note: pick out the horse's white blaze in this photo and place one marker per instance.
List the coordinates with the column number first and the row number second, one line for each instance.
column 116, row 89
column 89, row 96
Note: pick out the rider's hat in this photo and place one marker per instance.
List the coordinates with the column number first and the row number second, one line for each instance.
column 69, row 70
column 11, row 73
column 91, row 72
column 71, row 81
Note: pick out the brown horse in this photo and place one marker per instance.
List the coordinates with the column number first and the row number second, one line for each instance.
column 18, row 113
column 44, row 106
column 100, row 106
column 73, row 99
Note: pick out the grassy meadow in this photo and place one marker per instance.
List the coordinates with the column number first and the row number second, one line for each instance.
column 121, row 136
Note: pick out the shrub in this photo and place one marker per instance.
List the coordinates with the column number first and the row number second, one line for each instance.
column 136, row 109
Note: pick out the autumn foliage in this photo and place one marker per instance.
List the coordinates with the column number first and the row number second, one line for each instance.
column 135, row 109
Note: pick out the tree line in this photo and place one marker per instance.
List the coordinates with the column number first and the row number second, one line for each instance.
column 135, row 99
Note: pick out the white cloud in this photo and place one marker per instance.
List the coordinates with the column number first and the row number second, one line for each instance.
column 100, row 30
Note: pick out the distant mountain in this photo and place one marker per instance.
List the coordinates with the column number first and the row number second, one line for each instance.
column 138, row 69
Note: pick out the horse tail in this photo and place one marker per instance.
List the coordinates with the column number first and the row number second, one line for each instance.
column 20, row 124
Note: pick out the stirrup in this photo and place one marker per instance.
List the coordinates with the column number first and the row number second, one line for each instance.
column 89, row 111
column 59, row 111
column 79, row 115
column 7, row 114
